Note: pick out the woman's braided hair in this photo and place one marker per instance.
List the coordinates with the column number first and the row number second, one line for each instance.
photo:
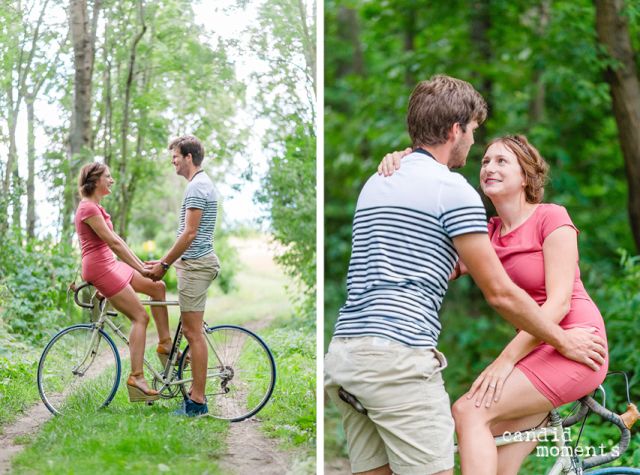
column 533, row 165
column 89, row 176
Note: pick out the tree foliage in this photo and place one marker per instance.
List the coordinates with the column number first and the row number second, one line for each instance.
column 285, row 41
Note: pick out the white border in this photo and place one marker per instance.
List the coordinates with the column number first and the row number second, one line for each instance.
column 320, row 238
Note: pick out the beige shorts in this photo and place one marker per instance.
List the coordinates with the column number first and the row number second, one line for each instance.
column 194, row 278
column 409, row 423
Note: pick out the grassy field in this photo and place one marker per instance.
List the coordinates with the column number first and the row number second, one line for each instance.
column 141, row 439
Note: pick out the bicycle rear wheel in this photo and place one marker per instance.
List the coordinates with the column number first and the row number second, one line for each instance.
column 241, row 373
column 614, row 471
column 79, row 370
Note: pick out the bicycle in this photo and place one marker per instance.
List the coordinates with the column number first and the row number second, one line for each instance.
column 80, row 367
column 568, row 463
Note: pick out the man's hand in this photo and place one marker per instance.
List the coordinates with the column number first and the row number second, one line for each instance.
column 391, row 162
column 156, row 272
column 581, row 345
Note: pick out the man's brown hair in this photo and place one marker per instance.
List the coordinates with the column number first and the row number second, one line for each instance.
column 435, row 105
column 189, row 144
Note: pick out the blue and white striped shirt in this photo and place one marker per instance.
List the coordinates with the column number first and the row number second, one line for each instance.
column 200, row 194
column 402, row 251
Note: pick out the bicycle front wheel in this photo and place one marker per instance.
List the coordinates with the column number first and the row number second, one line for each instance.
column 615, row 471
column 241, row 373
column 79, row 370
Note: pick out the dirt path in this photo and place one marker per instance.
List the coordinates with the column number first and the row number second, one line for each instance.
column 249, row 452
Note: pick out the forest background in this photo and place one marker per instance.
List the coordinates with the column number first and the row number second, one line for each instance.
column 113, row 81
column 565, row 73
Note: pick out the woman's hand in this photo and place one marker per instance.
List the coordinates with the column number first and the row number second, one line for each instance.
column 488, row 386
column 391, row 162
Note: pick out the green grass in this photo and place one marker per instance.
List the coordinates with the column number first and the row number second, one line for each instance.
column 18, row 388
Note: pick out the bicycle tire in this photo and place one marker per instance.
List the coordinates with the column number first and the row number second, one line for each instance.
column 236, row 396
column 64, row 388
column 614, row 471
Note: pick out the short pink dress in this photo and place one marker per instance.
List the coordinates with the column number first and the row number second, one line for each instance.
column 99, row 266
column 559, row 379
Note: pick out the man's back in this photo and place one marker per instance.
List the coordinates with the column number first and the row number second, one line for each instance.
column 402, row 253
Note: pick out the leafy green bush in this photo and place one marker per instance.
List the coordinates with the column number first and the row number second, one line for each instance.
column 33, row 283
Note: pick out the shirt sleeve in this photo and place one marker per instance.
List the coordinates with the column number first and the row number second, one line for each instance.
column 554, row 216
column 195, row 196
column 89, row 209
column 461, row 209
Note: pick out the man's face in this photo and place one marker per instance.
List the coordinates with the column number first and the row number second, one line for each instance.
column 180, row 163
column 458, row 156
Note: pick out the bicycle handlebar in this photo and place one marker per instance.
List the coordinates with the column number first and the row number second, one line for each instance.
column 76, row 293
column 587, row 403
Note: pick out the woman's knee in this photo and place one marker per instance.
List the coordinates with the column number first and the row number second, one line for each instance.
column 159, row 290
column 463, row 410
column 141, row 318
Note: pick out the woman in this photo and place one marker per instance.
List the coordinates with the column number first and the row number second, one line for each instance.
column 118, row 281
column 537, row 245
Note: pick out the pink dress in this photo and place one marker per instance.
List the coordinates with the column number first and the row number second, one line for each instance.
column 99, row 266
column 559, row 379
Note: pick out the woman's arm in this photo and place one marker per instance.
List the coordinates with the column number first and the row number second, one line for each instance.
column 131, row 253
column 560, row 251
column 117, row 245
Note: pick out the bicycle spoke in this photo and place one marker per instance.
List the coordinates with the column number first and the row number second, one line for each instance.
column 246, row 373
column 94, row 382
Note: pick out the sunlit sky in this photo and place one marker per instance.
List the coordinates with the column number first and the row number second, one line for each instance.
column 222, row 21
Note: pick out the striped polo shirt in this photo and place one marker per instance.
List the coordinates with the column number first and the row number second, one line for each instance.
column 402, row 251
column 200, row 194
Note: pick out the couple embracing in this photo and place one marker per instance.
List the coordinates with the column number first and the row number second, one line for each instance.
column 415, row 231
column 192, row 256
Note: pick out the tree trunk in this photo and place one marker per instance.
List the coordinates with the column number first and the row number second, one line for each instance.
column 613, row 33
column 124, row 196
column 309, row 45
column 83, row 39
column 31, row 204
column 12, row 165
column 349, row 31
column 479, row 33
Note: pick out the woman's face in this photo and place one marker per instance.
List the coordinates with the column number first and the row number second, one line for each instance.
column 501, row 174
column 104, row 183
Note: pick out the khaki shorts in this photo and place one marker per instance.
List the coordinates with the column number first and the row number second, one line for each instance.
column 194, row 278
column 409, row 423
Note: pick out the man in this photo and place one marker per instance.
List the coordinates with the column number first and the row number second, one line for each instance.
column 195, row 262
column 408, row 232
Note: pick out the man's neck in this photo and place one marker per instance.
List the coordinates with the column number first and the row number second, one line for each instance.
column 440, row 152
column 192, row 172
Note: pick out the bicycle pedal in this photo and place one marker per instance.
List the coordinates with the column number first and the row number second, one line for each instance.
column 352, row 401
column 150, row 403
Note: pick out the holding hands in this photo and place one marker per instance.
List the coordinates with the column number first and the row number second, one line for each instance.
column 154, row 270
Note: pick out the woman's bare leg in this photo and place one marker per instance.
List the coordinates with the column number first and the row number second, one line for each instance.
column 157, row 291
column 519, row 399
column 127, row 302
column 510, row 457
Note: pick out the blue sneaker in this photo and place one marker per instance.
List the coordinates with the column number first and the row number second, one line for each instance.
column 181, row 411
column 191, row 409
